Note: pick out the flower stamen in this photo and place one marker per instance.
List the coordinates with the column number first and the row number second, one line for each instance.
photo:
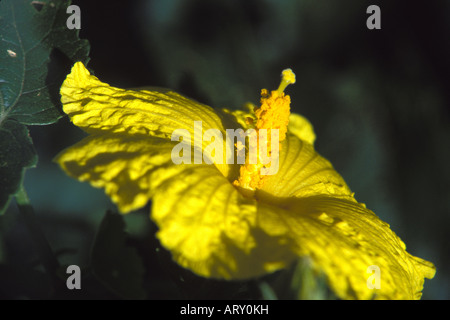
column 272, row 114
column 287, row 78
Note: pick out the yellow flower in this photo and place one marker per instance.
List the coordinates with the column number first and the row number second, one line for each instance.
column 226, row 220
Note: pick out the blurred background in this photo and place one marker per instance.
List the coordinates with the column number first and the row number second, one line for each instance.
column 378, row 99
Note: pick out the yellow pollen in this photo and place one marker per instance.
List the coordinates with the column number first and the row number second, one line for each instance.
column 272, row 114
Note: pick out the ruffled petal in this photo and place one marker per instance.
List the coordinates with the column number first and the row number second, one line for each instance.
column 93, row 105
column 129, row 168
column 343, row 239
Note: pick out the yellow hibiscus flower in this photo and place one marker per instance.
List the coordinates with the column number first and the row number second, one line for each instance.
column 227, row 220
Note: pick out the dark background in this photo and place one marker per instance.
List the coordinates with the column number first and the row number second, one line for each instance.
column 378, row 100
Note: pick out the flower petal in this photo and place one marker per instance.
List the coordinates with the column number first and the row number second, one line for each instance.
column 96, row 106
column 128, row 167
column 209, row 227
column 303, row 173
column 343, row 239
column 301, row 128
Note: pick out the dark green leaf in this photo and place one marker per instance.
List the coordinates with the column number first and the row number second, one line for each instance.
column 28, row 36
column 16, row 154
column 29, row 86
column 115, row 264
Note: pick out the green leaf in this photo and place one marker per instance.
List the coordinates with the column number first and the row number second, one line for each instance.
column 115, row 264
column 28, row 36
column 29, row 86
column 16, row 154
